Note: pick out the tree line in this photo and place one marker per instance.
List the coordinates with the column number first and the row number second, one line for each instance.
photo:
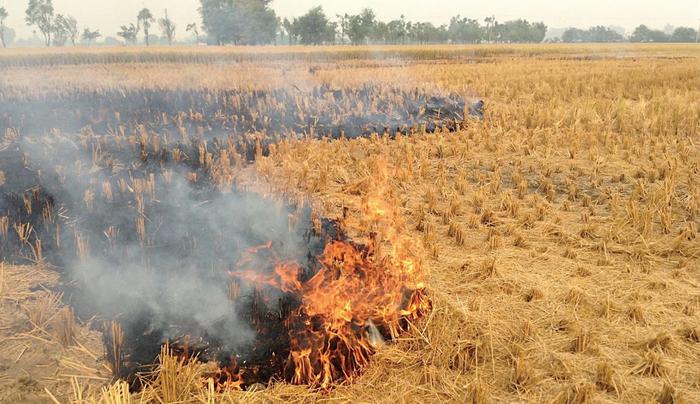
column 254, row 22
column 641, row 34
column 58, row 29
column 144, row 21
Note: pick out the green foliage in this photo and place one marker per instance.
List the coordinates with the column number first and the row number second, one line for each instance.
column 145, row 19
column 167, row 27
column 520, row 31
column 644, row 34
column 425, row 32
column 129, row 33
column 313, row 28
column 364, row 28
column 396, row 31
column 465, row 30
column 3, row 16
column 684, row 34
column 244, row 22
column 89, row 36
column 65, row 28
column 60, row 33
column 8, row 35
column 593, row 34
column 40, row 13
column 193, row 28
column 641, row 34
column 359, row 27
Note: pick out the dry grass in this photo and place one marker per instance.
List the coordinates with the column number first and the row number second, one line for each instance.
column 561, row 239
column 41, row 344
column 212, row 55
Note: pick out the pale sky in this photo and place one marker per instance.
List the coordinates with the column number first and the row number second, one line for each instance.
column 108, row 15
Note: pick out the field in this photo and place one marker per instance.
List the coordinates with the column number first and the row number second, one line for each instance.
column 547, row 253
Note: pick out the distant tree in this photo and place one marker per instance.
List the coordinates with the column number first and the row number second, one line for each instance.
column 89, row 36
column 490, row 26
column 426, row 32
column 644, row 34
column 520, row 31
column 684, row 34
column 65, row 29
column 60, row 30
column 380, row 32
column 602, row 34
column 314, row 28
column 290, row 31
column 217, row 19
column 259, row 22
column 594, row 34
column 359, row 27
column 128, row 33
column 343, row 25
column 3, row 16
column 465, row 30
column 10, row 36
column 397, row 31
column 247, row 22
column 641, row 34
column 40, row 13
column 144, row 20
column 193, row 28
column 574, row 35
column 538, row 31
column 167, row 27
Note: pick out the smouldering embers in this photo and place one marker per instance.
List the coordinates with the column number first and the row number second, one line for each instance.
column 154, row 237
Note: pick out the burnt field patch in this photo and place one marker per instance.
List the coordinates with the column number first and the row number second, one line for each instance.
column 139, row 208
column 267, row 116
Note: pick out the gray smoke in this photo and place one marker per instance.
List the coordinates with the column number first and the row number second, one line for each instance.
column 175, row 282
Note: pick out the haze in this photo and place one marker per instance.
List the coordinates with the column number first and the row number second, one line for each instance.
column 108, row 15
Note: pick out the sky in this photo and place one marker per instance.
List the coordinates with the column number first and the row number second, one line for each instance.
column 108, row 15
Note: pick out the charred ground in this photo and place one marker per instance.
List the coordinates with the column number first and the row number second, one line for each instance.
column 132, row 196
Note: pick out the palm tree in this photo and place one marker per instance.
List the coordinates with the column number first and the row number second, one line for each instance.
column 193, row 27
column 145, row 18
column 90, row 36
column 489, row 25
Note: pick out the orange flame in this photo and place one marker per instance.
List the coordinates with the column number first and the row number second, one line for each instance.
column 358, row 297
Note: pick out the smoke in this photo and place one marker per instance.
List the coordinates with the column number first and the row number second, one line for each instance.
column 318, row 111
column 128, row 206
column 179, row 279
column 145, row 244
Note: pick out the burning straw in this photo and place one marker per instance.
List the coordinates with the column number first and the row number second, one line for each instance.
column 144, row 223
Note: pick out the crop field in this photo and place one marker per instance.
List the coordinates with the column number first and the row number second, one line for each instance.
column 506, row 223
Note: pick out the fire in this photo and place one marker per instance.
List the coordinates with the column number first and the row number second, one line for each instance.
column 357, row 297
column 349, row 295
column 348, row 307
column 376, row 208
column 319, row 324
